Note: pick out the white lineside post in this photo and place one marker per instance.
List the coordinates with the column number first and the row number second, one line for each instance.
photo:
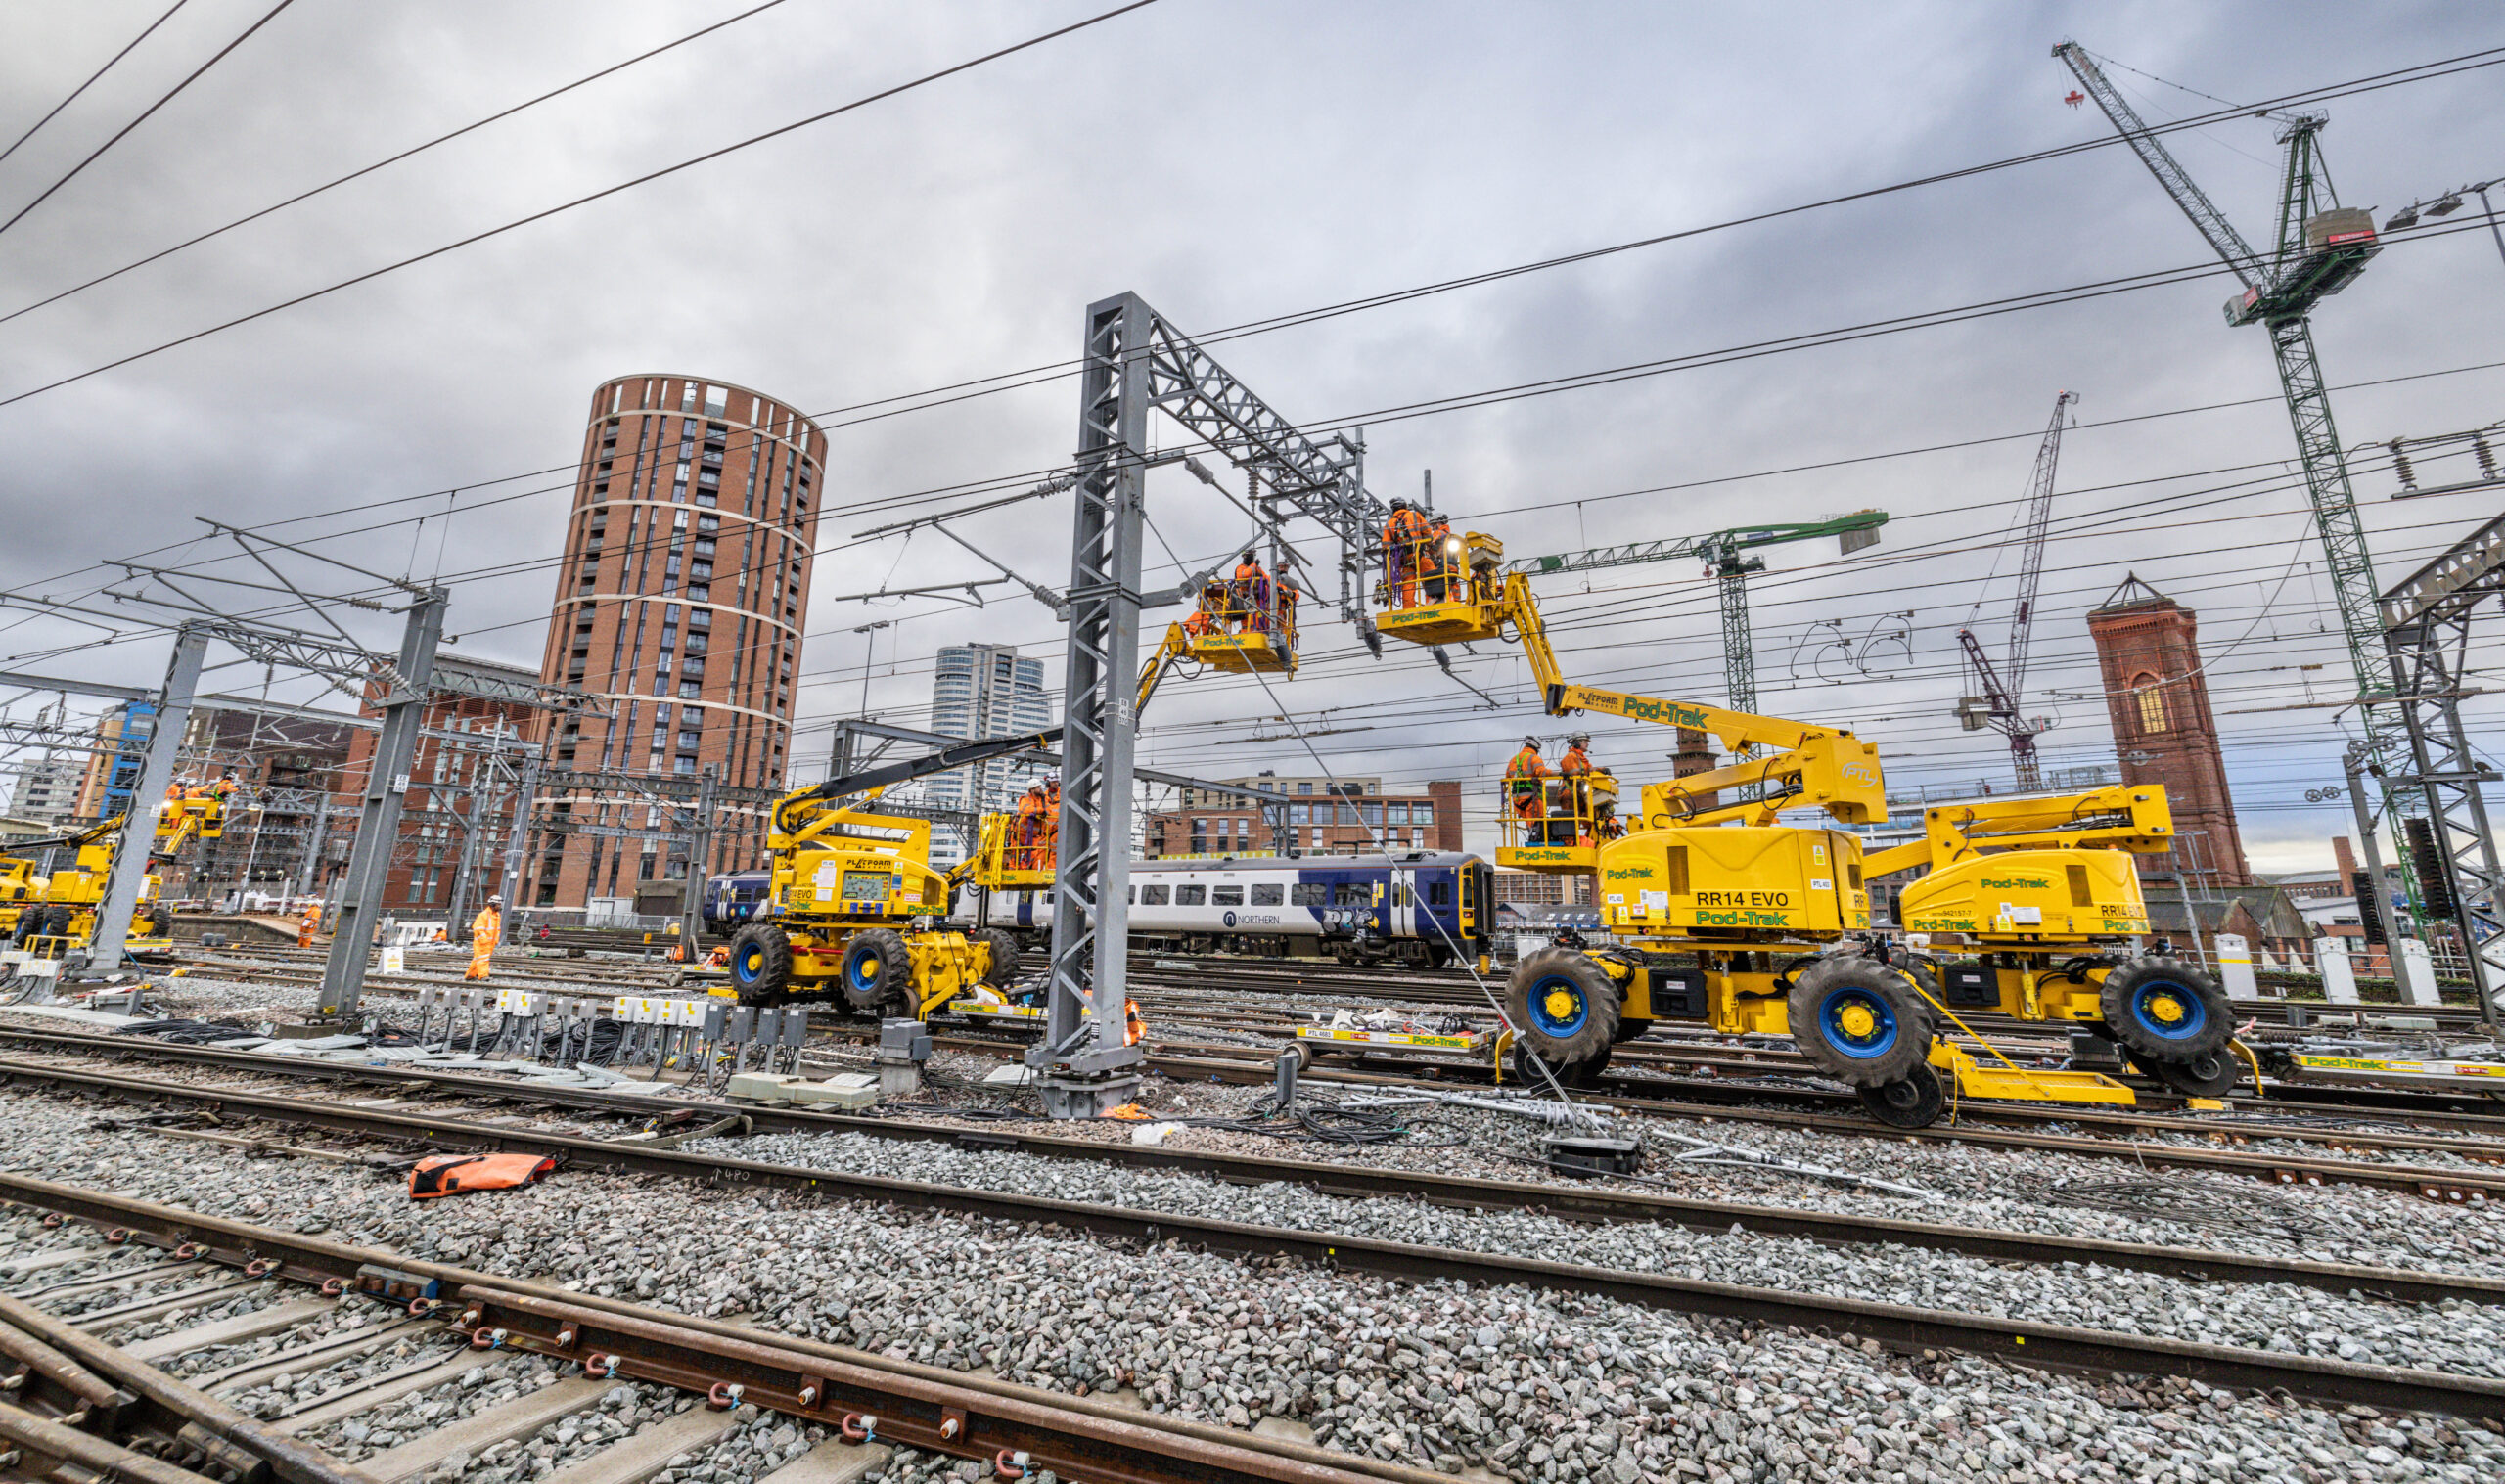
column 2339, row 979
column 138, row 839
column 2414, row 969
column 2234, row 966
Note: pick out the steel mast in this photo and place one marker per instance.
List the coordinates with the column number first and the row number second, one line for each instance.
column 2319, row 251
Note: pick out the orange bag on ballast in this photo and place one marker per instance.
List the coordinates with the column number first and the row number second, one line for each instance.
column 457, row 1174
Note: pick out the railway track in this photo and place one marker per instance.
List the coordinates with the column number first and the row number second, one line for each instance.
column 2093, row 1131
column 1580, row 1200
column 1667, row 1053
column 1904, row 1327
column 107, row 1408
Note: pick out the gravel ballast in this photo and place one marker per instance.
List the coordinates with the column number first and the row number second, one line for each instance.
column 1533, row 1385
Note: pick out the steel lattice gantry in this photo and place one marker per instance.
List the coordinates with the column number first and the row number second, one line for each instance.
column 2427, row 622
column 1135, row 361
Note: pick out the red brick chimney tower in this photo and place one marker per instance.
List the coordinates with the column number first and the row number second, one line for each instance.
column 2148, row 646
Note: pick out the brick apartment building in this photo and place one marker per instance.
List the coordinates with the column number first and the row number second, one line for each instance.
column 679, row 605
column 1346, row 816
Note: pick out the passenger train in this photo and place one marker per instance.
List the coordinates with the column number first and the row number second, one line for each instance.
column 1420, row 910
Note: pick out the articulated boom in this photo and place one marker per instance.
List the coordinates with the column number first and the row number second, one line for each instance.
column 1824, row 767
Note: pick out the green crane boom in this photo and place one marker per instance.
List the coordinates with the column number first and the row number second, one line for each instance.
column 2321, row 249
column 1722, row 552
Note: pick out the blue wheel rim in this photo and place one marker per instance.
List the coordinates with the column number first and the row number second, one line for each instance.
column 751, row 965
column 2196, row 1016
column 1559, row 1027
column 1881, row 1036
column 864, row 972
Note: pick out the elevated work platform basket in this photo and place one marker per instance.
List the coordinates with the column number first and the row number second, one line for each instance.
column 1241, row 653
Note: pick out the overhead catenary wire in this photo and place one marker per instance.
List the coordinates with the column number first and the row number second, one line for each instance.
column 386, row 162
column 92, row 77
column 649, row 176
column 169, row 96
column 1462, row 401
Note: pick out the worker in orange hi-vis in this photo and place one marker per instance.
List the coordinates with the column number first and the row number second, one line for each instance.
column 308, row 923
column 1026, row 831
column 1249, row 594
column 1575, row 771
column 484, row 929
column 1403, row 546
column 1523, row 783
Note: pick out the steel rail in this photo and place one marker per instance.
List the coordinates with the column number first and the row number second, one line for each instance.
column 227, row 1435
column 1074, row 1436
column 1583, row 1202
column 1897, row 1327
column 2433, row 1183
column 2446, row 1108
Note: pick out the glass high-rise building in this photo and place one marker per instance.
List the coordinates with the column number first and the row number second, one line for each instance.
column 985, row 690
column 680, row 604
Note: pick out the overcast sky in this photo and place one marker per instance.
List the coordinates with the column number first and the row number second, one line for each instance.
column 1230, row 163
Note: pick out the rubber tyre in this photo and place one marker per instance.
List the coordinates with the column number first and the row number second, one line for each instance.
column 1564, row 1009
column 2136, row 998
column 1858, row 1021
column 1914, row 1100
column 1004, row 956
column 761, row 965
column 878, row 973
column 2211, row 1074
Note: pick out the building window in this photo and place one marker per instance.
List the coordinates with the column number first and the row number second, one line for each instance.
column 2151, row 702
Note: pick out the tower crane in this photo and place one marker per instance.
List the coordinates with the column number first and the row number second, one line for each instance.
column 1999, row 699
column 2321, row 249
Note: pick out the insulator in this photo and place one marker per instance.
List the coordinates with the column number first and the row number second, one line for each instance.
column 2435, row 873
column 2486, row 455
column 2401, row 465
column 2369, row 922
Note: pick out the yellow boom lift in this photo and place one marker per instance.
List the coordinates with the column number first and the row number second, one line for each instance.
column 58, row 911
column 1724, row 916
column 854, row 906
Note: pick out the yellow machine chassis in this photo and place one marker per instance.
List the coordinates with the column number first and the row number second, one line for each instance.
column 1752, row 1002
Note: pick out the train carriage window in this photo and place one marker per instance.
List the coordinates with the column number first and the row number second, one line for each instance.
column 1268, row 894
column 1191, row 896
column 1153, row 896
column 1309, row 894
column 1352, row 894
column 1226, row 896
column 1440, row 893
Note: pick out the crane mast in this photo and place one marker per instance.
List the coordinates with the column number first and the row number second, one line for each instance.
column 2000, row 709
column 2320, row 249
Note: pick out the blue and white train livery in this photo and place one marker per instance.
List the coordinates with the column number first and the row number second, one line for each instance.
column 1420, row 910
